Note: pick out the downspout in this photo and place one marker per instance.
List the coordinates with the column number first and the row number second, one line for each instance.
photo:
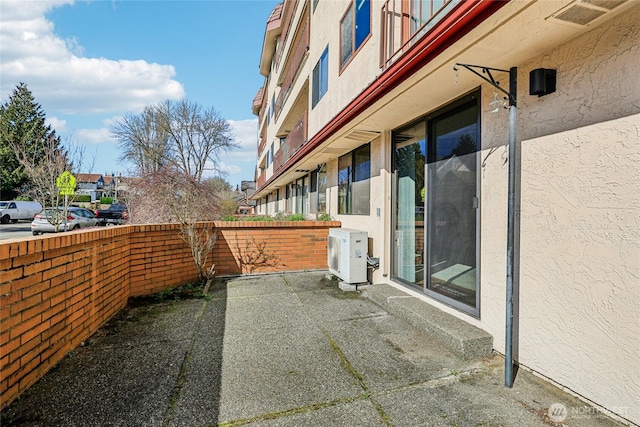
column 513, row 127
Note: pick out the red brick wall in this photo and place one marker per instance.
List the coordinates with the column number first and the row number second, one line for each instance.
column 159, row 259
column 56, row 291
column 246, row 247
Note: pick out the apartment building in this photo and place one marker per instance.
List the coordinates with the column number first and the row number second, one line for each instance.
column 489, row 149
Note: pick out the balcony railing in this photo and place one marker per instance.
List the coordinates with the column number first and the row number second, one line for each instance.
column 297, row 57
column 263, row 106
column 405, row 22
column 262, row 178
column 292, row 143
column 289, row 8
column 262, row 143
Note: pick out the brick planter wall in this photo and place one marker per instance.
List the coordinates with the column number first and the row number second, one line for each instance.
column 57, row 290
column 246, row 247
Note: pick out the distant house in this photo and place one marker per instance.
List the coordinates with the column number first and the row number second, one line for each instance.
column 91, row 184
column 242, row 197
column 113, row 185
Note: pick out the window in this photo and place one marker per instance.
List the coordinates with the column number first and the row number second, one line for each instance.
column 320, row 78
column 302, row 195
column 355, row 27
column 315, row 4
column 270, row 155
column 322, row 188
column 318, row 198
column 288, row 195
column 266, row 204
column 354, row 171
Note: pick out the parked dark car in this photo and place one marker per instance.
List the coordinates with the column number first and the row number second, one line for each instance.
column 116, row 214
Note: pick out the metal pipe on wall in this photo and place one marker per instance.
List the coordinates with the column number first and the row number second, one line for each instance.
column 513, row 127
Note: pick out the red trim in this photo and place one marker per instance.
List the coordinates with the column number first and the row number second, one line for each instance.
column 456, row 25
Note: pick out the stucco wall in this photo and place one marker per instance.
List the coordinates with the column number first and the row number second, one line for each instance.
column 346, row 83
column 578, row 213
column 580, row 257
column 379, row 198
column 579, row 218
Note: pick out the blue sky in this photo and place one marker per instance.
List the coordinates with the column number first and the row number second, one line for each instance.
column 88, row 63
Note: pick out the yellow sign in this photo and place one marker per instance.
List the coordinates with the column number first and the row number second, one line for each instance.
column 66, row 183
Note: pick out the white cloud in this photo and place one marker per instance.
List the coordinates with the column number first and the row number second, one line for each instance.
column 246, row 133
column 92, row 136
column 60, row 77
column 59, row 125
column 229, row 169
column 240, row 163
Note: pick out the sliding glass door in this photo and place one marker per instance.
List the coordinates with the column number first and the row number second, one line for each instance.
column 436, row 205
column 452, row 206
column 409, row 155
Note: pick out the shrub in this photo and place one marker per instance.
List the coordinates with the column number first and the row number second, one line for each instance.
column 81, row 198
column 106, row 200
column 279, row 217
column 257, row 218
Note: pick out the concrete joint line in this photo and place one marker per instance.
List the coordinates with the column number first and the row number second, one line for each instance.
column 356, row 375
column 348, row 366
column 287, row 412
column 184, row 368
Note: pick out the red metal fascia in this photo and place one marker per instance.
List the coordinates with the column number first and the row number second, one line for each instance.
column 456, row 25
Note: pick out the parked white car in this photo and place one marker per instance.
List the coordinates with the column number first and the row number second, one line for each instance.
column 76, row 218
column 15, row 210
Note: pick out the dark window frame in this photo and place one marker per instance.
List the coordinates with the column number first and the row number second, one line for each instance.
column 320, row 83
column 358, row 39
column 350, row 173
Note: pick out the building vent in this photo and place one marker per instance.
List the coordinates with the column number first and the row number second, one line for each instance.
column 583, row 12
column 362, row 135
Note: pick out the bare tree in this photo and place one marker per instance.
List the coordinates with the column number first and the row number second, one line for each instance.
column 171, row 196
column 178, row 134
column 44, row 171
column 143, row 140
column 171, row 145
column 197, row 135
column 226, row 197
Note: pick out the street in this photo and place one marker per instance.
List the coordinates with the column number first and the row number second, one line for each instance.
column 14, row 231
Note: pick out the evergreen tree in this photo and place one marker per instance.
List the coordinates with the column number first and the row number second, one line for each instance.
column 22, row 125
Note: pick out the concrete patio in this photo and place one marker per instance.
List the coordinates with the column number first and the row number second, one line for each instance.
column 286, row 350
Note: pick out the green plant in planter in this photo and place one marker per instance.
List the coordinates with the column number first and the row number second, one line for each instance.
column 296, row 217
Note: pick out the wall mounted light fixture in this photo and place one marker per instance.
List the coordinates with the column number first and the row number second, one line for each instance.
column 542, row 81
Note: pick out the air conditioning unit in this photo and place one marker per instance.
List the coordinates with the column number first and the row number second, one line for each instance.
column 347, row 254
